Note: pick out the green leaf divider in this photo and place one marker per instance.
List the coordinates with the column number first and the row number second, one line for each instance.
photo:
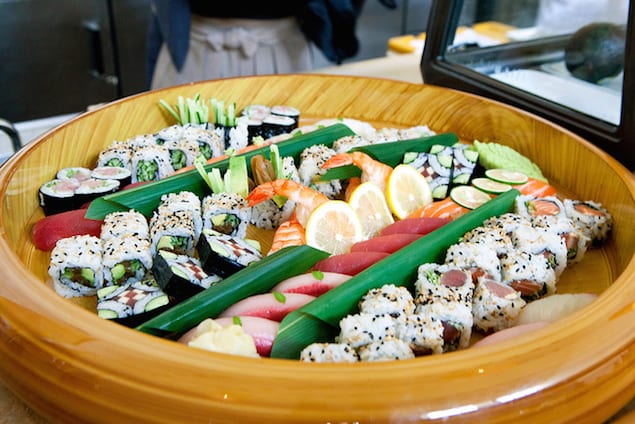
column 390, row 153
column 259, row 277
column 318, row 320
column 146, row 198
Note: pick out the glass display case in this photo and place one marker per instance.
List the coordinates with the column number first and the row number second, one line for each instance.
column 570, row 61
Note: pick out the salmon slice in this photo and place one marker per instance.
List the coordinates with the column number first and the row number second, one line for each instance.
column 536, row 188
column 544, row 207
column 446, row 209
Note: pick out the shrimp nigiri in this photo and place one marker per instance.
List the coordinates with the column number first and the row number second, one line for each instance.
column 289, row 233
column 305, row 198
column 372, row 170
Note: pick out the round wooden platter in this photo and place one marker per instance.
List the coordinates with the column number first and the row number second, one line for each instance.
column 71, row 366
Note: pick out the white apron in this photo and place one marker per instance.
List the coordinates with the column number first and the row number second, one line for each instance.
column 221, row 48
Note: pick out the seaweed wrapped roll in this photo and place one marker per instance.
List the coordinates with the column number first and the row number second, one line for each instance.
column 225, row 255
column 181, row 276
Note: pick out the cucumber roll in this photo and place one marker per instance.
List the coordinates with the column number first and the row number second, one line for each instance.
column 173, row 231
column 118, row 154
column 151, row 163
column 76, row 266
column 182, row 152
column 464, row 163
column 181, row 276
column 225, row 255
column 210, row 144
column 226, row 213
column 125, row 260
column 132, row 304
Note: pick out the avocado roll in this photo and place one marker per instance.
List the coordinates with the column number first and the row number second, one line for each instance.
column 183, row 201
column 227, row 213
column 173, row 231
column 125, row 259
column 225, row 255
column 181, row 276
column 76, row 266
column 126, row 223
column 133, row 303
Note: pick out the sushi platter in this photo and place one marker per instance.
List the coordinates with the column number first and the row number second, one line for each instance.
column 60, row 354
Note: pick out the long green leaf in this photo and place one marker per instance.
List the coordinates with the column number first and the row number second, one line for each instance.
column 259, row 277
column 146, row 198
column 390, row 153
column 321, row 317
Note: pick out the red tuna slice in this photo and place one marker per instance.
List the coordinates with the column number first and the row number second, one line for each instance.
column 267, row 305
column 350, row 263
column 48, row 230
column 262, row 330
column 311, row 283
column 389, row 243
column 419, row 226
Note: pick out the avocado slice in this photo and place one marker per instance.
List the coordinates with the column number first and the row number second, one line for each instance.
column 596, row 51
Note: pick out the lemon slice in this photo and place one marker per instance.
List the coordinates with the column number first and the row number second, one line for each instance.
column 407, row 190
column 333, row 227
column 369, row 203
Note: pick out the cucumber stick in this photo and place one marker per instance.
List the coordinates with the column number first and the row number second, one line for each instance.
column 318, row 320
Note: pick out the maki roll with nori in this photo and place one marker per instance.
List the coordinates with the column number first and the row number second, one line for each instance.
column 287, row 112
column 225, row 255
column 226, row 213
column 173, row 231
column 181, row 276
column 151, row 163
column 274, row 125
column 76, row 266
column 57, row 196
column 125, row 259
column 74, row 173
column 123, row 175
column 436, row 165
column 93, row 188
column 132, row 304
column 464, row 163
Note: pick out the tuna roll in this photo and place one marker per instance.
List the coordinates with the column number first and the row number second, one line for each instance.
column 590, row 219
column 388, row 299
column 424, row 334
column 443, row 284
column 58, row 196
column 528, row 274
column 496, row 306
